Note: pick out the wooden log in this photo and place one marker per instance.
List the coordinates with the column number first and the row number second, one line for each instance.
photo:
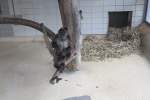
column 26, row 22
column 71, row 19
column 48, row 34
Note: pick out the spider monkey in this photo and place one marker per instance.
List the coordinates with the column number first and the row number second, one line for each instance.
column 62, row 48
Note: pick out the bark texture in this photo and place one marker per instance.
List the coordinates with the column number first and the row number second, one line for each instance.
column 71, row 19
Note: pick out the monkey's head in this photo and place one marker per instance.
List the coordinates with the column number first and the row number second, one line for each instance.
column 63, row 32
column 63, row 29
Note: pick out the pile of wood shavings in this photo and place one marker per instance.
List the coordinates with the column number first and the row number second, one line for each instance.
column 118, row 43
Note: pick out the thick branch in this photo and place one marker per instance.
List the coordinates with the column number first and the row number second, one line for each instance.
column 71, row 19
column 26, row 22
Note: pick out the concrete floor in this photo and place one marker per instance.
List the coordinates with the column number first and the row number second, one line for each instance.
column 25, row 70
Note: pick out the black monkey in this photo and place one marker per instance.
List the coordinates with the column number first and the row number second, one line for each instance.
column 61, row 42
column 61, row 45
column 62, row 48
column 61, row 51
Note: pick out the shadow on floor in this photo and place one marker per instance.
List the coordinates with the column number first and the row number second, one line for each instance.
column 79, row 98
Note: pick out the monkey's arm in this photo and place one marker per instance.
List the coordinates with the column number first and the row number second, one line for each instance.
column 73, row 56
column 47, row 40
column 57, row 73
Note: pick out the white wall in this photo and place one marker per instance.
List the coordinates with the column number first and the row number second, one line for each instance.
column 43, row 11
column 148, row 12
column 5, row 30
column 95, row 13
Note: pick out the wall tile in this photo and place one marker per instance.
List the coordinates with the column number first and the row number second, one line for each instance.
column 140, row 2
column 138, row 18
column 119, row 2
column 139, row 13
column 129, row 2
column 119, row 8
column 109, row 2
column 140, row 7
column 129, row 8
column 109, row 8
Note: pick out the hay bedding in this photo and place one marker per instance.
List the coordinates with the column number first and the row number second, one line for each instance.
column 118, row 43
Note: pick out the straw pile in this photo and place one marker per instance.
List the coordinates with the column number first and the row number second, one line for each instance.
column 118, row 43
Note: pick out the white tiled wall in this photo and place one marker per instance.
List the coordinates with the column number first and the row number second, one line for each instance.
column 95, row 13
column 43, row 11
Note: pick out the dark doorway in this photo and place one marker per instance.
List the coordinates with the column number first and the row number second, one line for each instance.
column 120, row 19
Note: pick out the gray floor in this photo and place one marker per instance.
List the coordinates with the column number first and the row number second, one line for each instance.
column 25, row 70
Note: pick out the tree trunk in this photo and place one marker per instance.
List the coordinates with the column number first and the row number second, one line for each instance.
column 71, row 19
